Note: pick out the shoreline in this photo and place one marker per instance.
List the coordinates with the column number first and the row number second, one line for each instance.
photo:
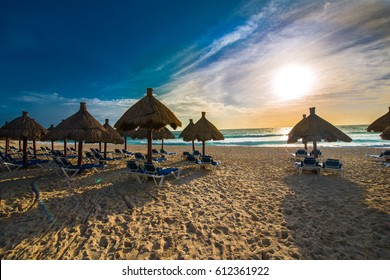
column 254, row 206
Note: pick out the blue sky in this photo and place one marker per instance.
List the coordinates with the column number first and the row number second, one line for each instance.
column 221, row 57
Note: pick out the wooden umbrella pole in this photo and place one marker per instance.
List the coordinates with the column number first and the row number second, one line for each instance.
column 149, row 145
column 162, row 144
column 52, row 145
column 193, row 146
column 315, row 149
column 65, row 148
column 25, row 150
column 203, row 148
column 126, row 143
column 80, row 154
column 35, row 147
column 105, row 150
column 6, row 144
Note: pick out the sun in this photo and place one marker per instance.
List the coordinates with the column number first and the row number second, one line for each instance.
column 293, row 81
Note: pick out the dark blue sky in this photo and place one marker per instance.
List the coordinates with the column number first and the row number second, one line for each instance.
column 54, row 54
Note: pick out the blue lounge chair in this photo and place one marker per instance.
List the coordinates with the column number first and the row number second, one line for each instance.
column 300, row 153
column 196, row 154
column 162, row 151
column 136, row 170
column 139, row 156
column 207, row 161
column 319, row 153
column 158, row 173
column 308, row 164
column 13, row 164
column 126, row 152
column 70, row 170
column 4, row 162
column 185, row 154
column 333, row 165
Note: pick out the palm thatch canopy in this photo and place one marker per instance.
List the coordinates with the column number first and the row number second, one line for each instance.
column 203, row 130
column 381, row 123
column 113, row 135
column 186, row 131
column 386, row 134
column 24, row 128
column 315, row 129
column 147, row 113
column 81, row 126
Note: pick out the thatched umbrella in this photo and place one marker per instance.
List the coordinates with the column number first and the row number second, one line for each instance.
column 147, row 113
column 81, row 126
column 114, row 137
column 315, row 129
column 24, row 128
column 203, row 130
column 55, row 133
column 381, row 123
column 161, row 134
column 187, row 130
column 386, row 134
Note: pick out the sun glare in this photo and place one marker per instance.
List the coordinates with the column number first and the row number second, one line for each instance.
column 293, row 81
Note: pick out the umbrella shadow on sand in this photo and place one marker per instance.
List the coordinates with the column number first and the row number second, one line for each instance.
column 328, row 220
column 68, row 219
column 93, row 217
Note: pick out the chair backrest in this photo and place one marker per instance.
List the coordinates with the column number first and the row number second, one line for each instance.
column 66, row 163
column 386, row 153
column 310, row 161
column 163, row 151
column 97, row 155
column 186, row 154
column 150, row 168
column 196, row 153
column 154, row 151
column 118, row 151
column 139, row 156
column 300, row 152
column 333, row 163
column 132, row 165
column 206, row 159
column 191, row 158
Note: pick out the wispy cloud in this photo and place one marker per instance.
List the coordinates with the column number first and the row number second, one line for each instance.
column 58, row 107
column 345, row 43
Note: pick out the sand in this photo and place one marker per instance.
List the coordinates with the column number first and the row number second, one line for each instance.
column 254, row 206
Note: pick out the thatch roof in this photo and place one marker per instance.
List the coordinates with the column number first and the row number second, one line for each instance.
column 386, row 134
column 187, row 129
column 147, row 113
column 203, row 130
column 142, row 133
column 114, row 136
column 23, row 127
column 381, row 123
column 81, row 126
column 315, row 129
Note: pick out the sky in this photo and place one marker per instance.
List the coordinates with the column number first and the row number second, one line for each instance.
column 247, row 64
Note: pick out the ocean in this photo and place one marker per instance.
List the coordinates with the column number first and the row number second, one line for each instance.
column 277, row 137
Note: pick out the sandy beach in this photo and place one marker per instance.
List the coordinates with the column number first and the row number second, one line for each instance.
column 254, row 206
